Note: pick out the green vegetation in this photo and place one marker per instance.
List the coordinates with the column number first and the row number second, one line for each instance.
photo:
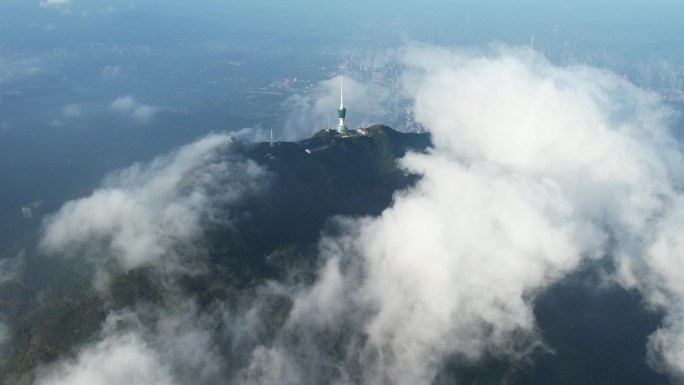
column 54, row 308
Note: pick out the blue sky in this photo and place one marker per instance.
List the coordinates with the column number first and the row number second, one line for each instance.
column 500, row 20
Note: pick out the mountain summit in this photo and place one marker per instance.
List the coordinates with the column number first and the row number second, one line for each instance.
column 309, row 182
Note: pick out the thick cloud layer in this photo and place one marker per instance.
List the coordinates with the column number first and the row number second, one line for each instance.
column 151, row 215
column 124, row 359
column 601, row 143
column 119, row 358
column 142, row 214
column 535, row 169
column 179, row 343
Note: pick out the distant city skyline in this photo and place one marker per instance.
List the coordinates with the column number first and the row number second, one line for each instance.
column 76, row 66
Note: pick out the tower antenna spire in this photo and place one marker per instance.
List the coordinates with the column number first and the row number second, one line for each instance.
column 341, row 128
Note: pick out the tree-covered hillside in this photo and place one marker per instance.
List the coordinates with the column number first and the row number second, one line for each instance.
column 239, row 279
column 54, row 308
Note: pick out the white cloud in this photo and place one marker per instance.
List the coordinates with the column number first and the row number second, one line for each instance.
column 270, row 367
column 129, row 106
column 174, row 345
column 123, row 104
column 72, row 110
column 256, row 133
column 603, row 143
column 111, row 71
column 10, row 267
column 55, row 3
column 141, row 214
column 117, row 360
column 534, row 169
column 144, row 113
column 17, row 69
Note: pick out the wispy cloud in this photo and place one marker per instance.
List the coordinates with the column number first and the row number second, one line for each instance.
column 118, row 358
column 72, row 110
column 152, row 215
column 535, row 169
column 180, row 347
column 111, row 72
column 600, row 143
column 54, row 3
column 16, row 69
column 141, row 214
column 63, row 6
column 129, row 106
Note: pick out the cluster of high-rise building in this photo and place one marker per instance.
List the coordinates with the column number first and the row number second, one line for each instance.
column 28, row 210
column 382, row 68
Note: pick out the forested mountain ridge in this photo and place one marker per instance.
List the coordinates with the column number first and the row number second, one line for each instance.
column 54, row 308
